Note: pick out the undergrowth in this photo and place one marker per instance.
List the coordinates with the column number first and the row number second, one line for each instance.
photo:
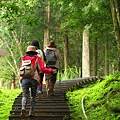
column 101, row 100
column 7, row 98
column 72, row 72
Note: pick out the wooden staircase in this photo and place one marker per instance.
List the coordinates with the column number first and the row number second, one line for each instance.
column 50, row 108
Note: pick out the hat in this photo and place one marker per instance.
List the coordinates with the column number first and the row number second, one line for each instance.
column 35, row 43
column 31, row 49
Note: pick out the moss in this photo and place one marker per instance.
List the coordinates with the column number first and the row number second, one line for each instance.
column 101, row 100
column 7, row 97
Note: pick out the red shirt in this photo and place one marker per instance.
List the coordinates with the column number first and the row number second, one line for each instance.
column 37, row 63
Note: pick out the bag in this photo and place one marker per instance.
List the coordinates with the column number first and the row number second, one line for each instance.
column 51, row 57
column 26, row 70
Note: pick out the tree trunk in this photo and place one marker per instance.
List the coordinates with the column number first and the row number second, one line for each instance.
column 65, row 52
column 115, row 10
column 46, row 23
column 85, row 54
column 116, row 19
column 106, row 58
column 95, row 51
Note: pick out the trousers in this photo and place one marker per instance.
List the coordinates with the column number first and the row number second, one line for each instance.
column 29, row 88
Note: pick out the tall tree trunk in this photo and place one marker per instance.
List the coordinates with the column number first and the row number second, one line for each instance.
column 95, row 53
column 115, row 10
column 85, row 54
column 65, row 52
column 46, row 23
column 106, row 58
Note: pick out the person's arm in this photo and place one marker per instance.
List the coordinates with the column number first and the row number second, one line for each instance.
column 42, row 67
column 59, row 57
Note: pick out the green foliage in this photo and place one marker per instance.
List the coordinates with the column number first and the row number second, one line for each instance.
column 5, row 73
column 101, row 100
column 7, row 97
column 17, row 9
column 72, row 72
column 73, row 15
column 19, row 20
column 23, row 20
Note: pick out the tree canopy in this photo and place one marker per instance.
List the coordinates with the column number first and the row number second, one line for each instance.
column 24, row 20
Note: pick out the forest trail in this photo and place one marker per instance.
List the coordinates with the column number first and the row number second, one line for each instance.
column 50, row 108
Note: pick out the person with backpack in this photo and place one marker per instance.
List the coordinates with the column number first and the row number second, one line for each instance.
column 30, row 66
column 53, row 58
column 42, row 55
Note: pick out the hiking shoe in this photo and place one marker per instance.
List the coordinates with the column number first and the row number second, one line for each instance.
column 31, row 113
column 39, row 95
column 23, row 111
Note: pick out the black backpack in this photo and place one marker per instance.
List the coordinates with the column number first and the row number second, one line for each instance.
column 51, row 57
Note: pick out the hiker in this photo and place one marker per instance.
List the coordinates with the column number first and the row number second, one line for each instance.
column 42, row 55
column 50, row 79
column 32, row 81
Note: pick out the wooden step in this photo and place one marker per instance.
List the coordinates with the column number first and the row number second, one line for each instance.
column 50, row 108
column 42, row 117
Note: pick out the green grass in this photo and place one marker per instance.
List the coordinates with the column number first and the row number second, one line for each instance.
column 71, row 73
column 101, row 100
column 7, row 97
